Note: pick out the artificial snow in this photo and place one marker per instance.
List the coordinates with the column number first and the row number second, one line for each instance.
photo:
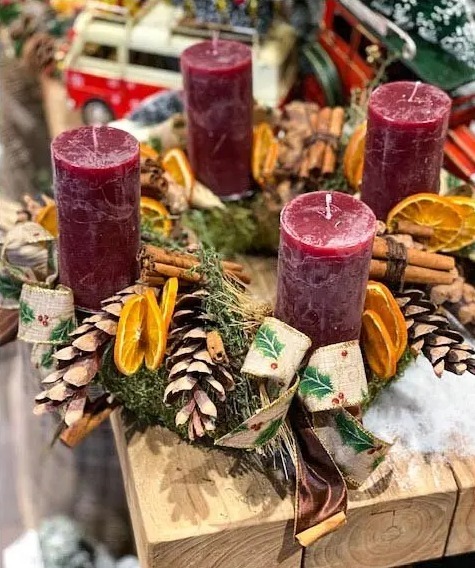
column 423, row 413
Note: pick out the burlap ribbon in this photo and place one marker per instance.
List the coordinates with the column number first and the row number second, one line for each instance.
column 332, row 448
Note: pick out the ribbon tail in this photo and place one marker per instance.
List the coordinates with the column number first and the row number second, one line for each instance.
column 321, row 495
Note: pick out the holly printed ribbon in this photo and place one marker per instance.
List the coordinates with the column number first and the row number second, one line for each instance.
column 332, row 447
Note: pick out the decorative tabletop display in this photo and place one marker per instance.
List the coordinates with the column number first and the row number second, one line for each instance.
column 151, row 319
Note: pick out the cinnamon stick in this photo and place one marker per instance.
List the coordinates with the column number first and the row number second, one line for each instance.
column 76, row 433
column 414, row 230
column 416, row 257
column 335, row 130
column 412, row 274
column 318, row 149
column 181, row 260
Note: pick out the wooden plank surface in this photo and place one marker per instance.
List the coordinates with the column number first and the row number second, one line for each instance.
column 462, row 531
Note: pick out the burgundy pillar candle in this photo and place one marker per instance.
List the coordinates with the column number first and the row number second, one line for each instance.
column 217, row 77
column 97, row 189
column 326, row 240
column 407, row 125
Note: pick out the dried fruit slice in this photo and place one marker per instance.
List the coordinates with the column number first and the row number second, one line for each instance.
column 430, row 210
column 155, row 336
column 156, row 214
column 167, row 304
column 47, row 217
column 467, row 234
column 129, row 350
column 353, row 159
column 380, row 300
column 177, row 165
column 377, row 345
column 146, row 151
column 265, row 152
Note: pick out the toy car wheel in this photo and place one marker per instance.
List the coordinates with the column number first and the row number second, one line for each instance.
column 96, row 112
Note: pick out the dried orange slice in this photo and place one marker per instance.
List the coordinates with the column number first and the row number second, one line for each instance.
column 155, row 336
column 353, row 159
column 380, row 300
column 430, row 210
column 265, row 151
column 467, row 234
column 129, row 349
column 157, row 214
column 47, row 217
column 377, row 345
column 177, row 165
column 167, row 304
column 146, row 151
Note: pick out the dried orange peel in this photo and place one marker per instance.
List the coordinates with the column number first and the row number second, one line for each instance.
column 141, row 334
column 47, row 217
column 378, row 346
column 177, row 165
column 157, row 214
column 380, row 300
column 265, row 153
column 430, row 210
column 467, row 234
column 146, row 151
column 353, row 159
column 168, row 301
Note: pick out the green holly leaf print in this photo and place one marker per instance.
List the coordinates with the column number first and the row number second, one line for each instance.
column 267, row 343
column 378, row 461
column 10, row 288
column 47, row 359
column 27, row 315
column 60, row 333
column 269, row 432
column 352, row 434
column 315, row 383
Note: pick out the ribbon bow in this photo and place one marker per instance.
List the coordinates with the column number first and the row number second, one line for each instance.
column 332, row 449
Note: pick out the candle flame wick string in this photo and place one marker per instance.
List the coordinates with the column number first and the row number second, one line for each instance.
column 328, row 202
column 214, row 41
column 413, row 94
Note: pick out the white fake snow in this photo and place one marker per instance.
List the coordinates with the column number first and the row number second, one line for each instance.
column 426, row 414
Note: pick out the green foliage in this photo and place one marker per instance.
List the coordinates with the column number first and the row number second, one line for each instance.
column 267, row 343
column 314, row 383
column 27, row 315
column 60, row 333
column 150, row 235
column 269, row 432
column 47, row 359
column 9, row 12
column 230, row 231
column 376, row 385
column 156, row 143
column 9, row 287
column 378, row 461
column 352, row 434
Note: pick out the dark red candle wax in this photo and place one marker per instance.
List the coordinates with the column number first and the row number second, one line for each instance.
column 97, row 190
column 407, row 125
column 325, row 250
column 217, row 78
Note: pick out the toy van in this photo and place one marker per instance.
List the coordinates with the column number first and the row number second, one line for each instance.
column 117, row 59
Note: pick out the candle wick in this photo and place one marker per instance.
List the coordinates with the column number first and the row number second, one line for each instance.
column 416, row 86
column 214, row 41
column 328, row 202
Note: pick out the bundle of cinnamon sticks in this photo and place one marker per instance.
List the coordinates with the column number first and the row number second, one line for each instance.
column 421, row 268
column 159, row 264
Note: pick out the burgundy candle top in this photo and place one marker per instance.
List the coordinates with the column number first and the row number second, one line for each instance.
column 217, row 57
column 327, row 224
column 405, row 103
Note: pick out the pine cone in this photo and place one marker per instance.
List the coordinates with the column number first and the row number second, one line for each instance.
column 197, row 366
column 38, row 52
column 68, row 387
column 429, row 333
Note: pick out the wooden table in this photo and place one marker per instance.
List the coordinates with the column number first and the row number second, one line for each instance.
column 189, row 511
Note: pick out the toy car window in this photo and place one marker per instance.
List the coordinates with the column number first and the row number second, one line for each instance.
column 100, row 51
column 342, row 27
column 155, row 60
